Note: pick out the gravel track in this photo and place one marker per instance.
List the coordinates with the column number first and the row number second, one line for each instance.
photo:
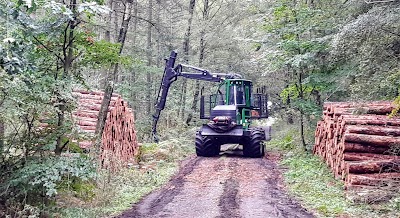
column 221, row 187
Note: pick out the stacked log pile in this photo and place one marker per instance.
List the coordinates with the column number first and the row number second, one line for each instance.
column 360, row 143
column 119, row 143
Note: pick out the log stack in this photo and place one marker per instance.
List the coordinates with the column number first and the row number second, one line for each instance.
column 119, row 143
column 360, row 142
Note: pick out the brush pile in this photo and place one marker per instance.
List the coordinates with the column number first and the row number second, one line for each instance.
column 119, row 143
column 360, row 143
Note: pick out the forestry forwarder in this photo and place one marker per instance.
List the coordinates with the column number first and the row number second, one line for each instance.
column 230, row 111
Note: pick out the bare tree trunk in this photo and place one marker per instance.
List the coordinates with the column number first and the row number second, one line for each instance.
column 116, row 7
column 112, row 78
column 149, row 59
column 158, row 24
column 201, row 60
column 135, row 21
column 182, row 110
column 186, row 48
column 60, row 124
column 2, row 135
column 107, row 33
column 68, row 54
column 317, row 97
column 134, row 36
column 107, row 37
column 299, row 85
column 186, row 41
column 301, row 95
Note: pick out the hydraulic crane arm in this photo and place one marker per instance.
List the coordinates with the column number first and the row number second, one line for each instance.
column 171, row 74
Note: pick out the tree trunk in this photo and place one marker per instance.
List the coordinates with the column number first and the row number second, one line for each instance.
column 188, row 33
column 149, row 57
column 101, row 121
column 303, row 141
column 186, row 47
column 2, row 135
column 317, row 96
column 182, row 106
column 158, row 24
column 201, row 60
column 116, row 26
column 133, row 75
column 60, row 123
column 135, row 21
column 110, row 84
column 107, row 33
column 68, row 54
column 289, row 118
column 107, row 37
column 301, row 96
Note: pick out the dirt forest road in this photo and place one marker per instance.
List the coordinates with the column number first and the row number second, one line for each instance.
column 221, row 187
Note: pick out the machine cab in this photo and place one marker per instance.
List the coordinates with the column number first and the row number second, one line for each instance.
column 235, row 94
column 238, row 92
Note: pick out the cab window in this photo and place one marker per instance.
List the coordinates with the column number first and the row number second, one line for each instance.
column 240, row 95
column 236, row 95
column 221, row 95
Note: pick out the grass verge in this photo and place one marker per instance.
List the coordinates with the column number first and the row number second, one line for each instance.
column 116, row 192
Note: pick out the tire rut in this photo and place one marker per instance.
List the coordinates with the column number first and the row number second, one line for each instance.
column 228, row 204
column 166, row 195
column 275, row 201
column 222, row 187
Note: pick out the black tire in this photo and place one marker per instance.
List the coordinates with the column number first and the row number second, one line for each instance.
column 254, row 146
column 205, row 147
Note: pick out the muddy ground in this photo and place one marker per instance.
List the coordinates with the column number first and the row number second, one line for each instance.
column 221, row 187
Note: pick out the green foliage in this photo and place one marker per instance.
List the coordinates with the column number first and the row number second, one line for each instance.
column 366, row 44
column 334, row 48
column 41, row 59
column 47, row 174
column 100, row 54
column 293, row 92
column 299, row 54
column 285, row 143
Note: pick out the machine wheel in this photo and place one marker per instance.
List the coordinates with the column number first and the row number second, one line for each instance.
column 205, row 147
column 254, row 146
